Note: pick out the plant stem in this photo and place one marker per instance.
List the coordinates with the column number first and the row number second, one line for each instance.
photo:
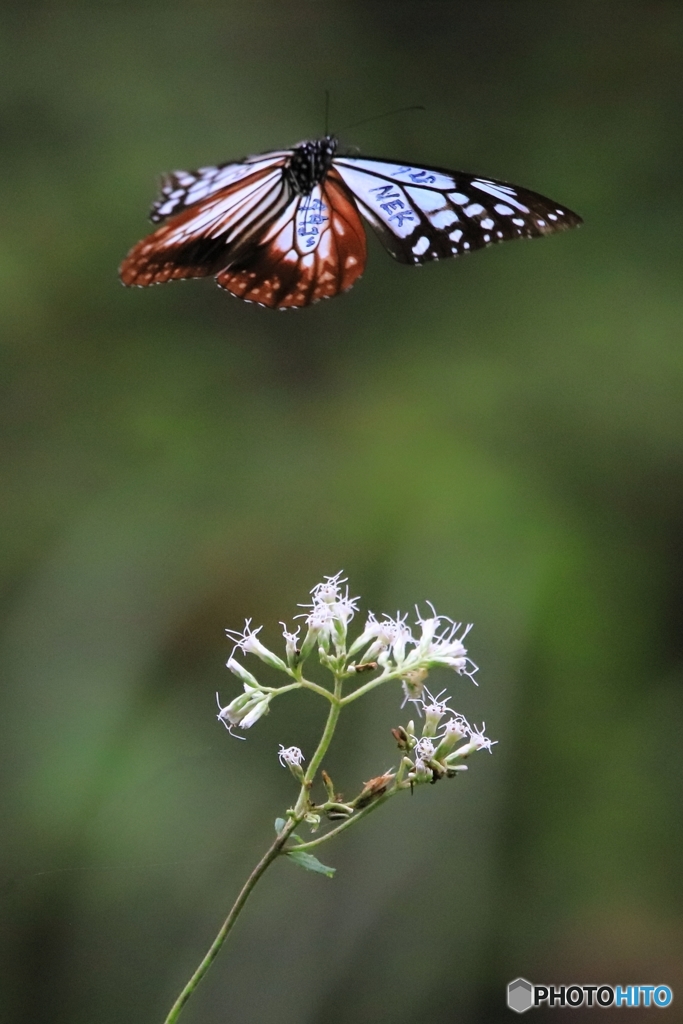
column 215, row 946
column 328, row 733
column 302, row 803
column 362, row 690
column 346, row 824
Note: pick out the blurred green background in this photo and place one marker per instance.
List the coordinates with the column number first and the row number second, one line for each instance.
column 501, row 435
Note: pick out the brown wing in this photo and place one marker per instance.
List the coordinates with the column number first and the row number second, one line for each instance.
column 313, row 251
column 206, row 236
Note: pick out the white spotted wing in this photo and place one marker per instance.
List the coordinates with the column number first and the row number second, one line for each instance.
column 428, row 213
column 278, row 230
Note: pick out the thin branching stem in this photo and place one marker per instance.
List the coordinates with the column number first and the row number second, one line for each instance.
column 230, row 920
column 346, row 824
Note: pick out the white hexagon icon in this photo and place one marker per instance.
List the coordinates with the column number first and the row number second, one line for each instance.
column 520, row 995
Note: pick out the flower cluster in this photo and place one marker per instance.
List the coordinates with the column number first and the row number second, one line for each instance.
column 331, row 610
column 435, row 753
column 389, row 648
column 395, row 649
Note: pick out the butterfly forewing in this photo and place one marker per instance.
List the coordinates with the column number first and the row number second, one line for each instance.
column 203, row 238
column 181, row 189
column 428, row 213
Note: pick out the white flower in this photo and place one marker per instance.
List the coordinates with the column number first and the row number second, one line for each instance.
column 329, row 590
column 329, row 603
column 291, row 643
column 445, row 649
column 424, row 748
column 290, row 757
column 455, row 729
column 479, row 741
column 249, row 643
column 372, row 631
column 400, row 636
column 434, row 709
column 331, row 610
column 429, row 627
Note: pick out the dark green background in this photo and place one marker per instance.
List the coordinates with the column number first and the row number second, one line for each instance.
column 501, row 435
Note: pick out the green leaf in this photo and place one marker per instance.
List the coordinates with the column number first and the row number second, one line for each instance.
column 310, row 863
column 279, row 825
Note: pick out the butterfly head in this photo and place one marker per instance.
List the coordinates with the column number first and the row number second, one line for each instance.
column 309, row 163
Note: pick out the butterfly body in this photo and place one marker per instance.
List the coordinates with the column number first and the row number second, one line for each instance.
column 284, row 228
column 310, row 163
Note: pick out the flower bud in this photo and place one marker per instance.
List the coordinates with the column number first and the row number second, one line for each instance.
column 329, row 785
column 403, row 740
column 246, row 709
column 252, row 645
column 259, row 706
column 291, row 645
column 309, row 643
column 241, row 672
column 423, row 772
column 372, row 790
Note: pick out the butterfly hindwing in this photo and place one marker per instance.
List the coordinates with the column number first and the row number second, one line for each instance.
column 428, row 213
column 314, row 250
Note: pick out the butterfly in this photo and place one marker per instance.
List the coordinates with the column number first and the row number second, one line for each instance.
column 283, row 228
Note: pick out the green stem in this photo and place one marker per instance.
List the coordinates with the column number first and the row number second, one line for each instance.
column 215, row 946
column 301, row 683
column 325, row 740
column 362, row 690
column 318, row 689
column 345, row 824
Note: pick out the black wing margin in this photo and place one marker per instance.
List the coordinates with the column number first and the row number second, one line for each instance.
column 429, row 213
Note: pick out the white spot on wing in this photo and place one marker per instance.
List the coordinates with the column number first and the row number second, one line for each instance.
column 425, row 199
column 474, row 209
column 443, row 218
column 421, row 245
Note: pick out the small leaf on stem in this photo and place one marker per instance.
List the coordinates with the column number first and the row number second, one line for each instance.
column 310, row 863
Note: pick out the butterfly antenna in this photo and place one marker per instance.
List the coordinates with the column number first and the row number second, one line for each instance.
column 376, row 117
column 327, row 111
